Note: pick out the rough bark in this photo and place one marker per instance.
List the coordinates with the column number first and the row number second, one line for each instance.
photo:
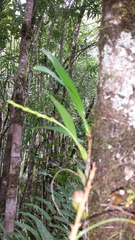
column 17, row 118
column 5, row 172
column 114, row 127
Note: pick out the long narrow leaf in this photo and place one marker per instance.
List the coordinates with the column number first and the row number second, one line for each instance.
column 47, row 70
column 30, row 229
column 58, row 226
column 54, row 128
column 67, row 119
column 40, row 210
column 61, row 219
column 18, row 235
column 40, row 226
column 72, row 90
column 49, row 204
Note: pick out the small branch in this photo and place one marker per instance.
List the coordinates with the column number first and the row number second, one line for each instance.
column 81, row 209
column 120, row 209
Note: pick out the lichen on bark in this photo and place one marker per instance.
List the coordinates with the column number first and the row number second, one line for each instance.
column 114, row 126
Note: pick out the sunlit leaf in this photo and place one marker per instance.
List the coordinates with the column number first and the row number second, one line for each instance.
column 72, row 90
column 130, row 191
column 67, row 119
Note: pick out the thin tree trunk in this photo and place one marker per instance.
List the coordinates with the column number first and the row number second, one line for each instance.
column 62, row 41
column 76, row 34
column 114, row 128
column 17, row 117
column 51, row 30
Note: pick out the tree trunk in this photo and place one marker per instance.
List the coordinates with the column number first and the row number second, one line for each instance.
column 114, row 127
column 17, row 118
column 75, row 40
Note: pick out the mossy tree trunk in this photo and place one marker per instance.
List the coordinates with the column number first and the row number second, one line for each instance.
column 114, row 127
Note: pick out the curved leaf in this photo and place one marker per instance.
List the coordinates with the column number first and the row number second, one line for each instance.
column 54, row 128
column 61, row 219
column 40, row 226
column 40, row 210
column 67, row 119
column 18, row 235
column 49, row 204
column 80, row 234
column 58, row 226
column 72, row 90
column 47, row 70
column 30, row 229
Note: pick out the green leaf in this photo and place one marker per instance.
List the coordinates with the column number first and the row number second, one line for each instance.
column 47, row 70
column 130, row 191
column 66, row 213
column 44, row 172
column 69, row 208
column 40, row 210
column 49, row 204
column 30, row 229
column 67, row 119
column 61, row 189
column 51, row 119
column 61, row 219
column 72, row 90
column 57, row 226
column 44, row 233
column 54, row 128
column 18, row 235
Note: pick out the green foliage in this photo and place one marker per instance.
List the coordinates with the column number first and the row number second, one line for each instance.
column 57, row 226
column 68, row 128
column 67, row 119
column 51, row 119
column 47, row 149
column 68, row 83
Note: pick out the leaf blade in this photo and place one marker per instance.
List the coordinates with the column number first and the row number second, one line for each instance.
column 72, row 90
column 30, row 229
column 47, row 70
column 54, row 128
column 67, row 119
